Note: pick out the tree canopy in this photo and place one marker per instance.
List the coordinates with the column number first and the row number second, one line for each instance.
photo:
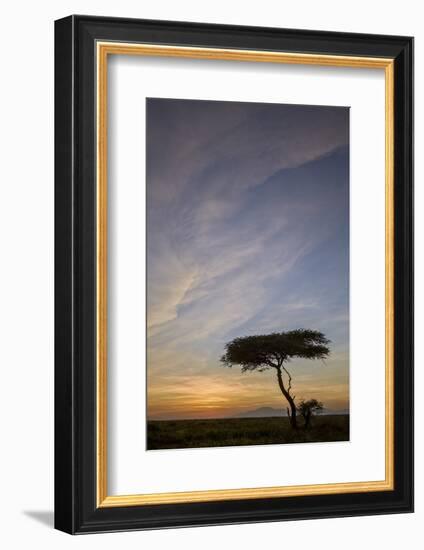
column 267, row 351
column 310, row 406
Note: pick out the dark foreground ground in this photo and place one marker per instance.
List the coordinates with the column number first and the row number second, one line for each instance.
column 180, row 434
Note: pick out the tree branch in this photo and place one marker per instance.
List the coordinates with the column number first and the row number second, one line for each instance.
column 290, row 379
column 279, row 359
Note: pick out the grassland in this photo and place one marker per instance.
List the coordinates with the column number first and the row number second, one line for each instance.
column 182, row 434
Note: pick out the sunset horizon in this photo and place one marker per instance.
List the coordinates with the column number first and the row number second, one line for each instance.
column 245, row 414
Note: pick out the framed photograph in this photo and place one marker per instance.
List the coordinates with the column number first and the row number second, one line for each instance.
column 233, row 270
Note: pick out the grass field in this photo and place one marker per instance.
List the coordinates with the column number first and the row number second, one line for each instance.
column 181, row 434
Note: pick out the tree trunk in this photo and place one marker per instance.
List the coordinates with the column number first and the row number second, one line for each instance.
column 292, row 416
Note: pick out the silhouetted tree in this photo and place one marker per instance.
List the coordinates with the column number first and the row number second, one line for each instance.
column 308, row 408
column 273, row 351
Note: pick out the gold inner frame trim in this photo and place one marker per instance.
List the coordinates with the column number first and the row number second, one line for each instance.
column 103, row 50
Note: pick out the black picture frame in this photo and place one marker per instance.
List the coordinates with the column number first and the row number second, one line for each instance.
column 76, row 509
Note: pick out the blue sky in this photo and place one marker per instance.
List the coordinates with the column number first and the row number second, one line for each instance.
column 247, row 233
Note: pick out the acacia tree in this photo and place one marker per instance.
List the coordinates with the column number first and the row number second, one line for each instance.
column 308, row 408
column 274, row 351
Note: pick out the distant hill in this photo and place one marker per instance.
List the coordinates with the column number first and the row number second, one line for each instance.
column 261, row 412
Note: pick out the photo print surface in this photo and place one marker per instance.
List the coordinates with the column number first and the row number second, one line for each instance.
column 247, row 273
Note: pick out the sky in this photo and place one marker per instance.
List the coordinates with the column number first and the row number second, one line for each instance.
column 247, row 233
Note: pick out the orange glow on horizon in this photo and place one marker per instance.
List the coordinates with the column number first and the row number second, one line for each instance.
column 231, row 392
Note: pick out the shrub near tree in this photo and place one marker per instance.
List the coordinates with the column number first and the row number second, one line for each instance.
column 274, row 351
column 308, row 409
